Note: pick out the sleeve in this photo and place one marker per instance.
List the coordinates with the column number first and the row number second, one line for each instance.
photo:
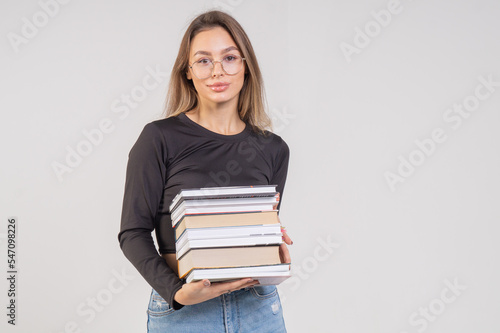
column 281, row 169
column 145, row 179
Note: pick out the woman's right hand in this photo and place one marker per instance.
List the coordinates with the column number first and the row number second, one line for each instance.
column 200, row 291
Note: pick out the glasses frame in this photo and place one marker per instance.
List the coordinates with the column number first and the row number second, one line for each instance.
column 213, row 66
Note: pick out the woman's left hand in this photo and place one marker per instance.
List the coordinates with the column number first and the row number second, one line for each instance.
column 284, row 253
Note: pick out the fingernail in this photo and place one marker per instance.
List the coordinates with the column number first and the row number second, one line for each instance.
column 207, row 283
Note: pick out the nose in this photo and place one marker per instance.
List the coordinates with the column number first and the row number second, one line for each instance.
column 217, row 70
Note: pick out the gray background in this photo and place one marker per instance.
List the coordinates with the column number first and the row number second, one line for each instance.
column 367, row 257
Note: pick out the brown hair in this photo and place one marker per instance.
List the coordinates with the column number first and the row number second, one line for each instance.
column 182, row 95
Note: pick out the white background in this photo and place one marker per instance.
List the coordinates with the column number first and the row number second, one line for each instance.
column 348, row 120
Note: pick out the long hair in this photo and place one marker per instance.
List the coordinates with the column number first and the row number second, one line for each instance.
column 182, row 95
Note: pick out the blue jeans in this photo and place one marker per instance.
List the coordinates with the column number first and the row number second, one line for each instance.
column 255, row 309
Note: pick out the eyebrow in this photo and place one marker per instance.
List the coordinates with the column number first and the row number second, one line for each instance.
column 231, row 48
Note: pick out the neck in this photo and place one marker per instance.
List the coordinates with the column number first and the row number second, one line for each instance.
column 221, row 118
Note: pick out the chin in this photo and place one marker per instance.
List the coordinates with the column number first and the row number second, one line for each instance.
column 221, row 97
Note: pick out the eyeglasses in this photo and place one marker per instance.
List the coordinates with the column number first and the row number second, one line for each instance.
column 231, row 65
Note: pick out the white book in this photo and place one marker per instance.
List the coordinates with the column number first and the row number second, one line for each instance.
column 225, row 201
column 228, row 232
column 267, row 274
column 228, row 242
column 202, row 205
column 210, row 192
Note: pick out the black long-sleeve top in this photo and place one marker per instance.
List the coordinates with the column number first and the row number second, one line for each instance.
column 177, row 153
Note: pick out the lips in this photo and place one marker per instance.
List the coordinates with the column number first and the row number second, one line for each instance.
column 219, row 86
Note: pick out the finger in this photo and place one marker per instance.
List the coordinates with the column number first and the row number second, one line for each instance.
column 201, row 284
column 246, row 285
column 240, row 283
column 223, row 287
column 277, row 201
column 284, row 254
column 285, row 237
column 249, row 284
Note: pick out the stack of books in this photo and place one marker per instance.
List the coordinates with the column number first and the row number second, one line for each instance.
column 228, row 233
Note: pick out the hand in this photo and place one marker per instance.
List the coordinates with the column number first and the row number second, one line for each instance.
column 200, row 291
column 284, row 253
column 277, row 201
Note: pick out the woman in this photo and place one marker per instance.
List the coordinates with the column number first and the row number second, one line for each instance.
column 214, row 135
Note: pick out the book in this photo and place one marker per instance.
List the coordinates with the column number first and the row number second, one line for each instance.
column 225, row 220
column 220, row 209
column 228, row 242
column 265, row 274
column 223, row 192
column 228, row 232
column 203, row 204
column 228, row 257
column 226, row 201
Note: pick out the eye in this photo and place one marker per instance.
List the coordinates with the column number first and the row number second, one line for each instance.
column 204, row 61
column 230, row 58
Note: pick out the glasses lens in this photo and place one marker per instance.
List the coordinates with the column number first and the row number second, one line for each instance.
column 230, row 64
column 203, row 68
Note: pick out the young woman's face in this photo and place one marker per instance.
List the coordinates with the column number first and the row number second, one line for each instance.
column 215, row 45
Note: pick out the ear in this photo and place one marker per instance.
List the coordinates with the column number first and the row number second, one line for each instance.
column 188, row 75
